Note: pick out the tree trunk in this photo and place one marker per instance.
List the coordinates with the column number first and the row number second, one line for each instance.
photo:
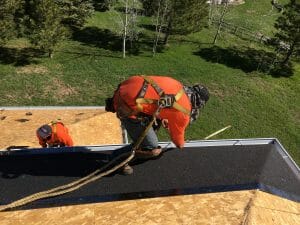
column 50, row 54
column 125, row 29
column 168, row 31
column 210, row 13
column 156, row 30
column 159, row 25
column 220, row 22
column 289, row 53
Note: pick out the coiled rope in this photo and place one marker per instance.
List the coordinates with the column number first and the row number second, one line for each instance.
column 97, row 174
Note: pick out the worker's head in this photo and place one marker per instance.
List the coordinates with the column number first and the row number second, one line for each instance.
column 198, row 95
column 44, row 132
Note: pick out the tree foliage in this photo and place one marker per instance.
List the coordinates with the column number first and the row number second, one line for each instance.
column 8, row 24
column 102, row 5
column 183, row 16
column 188, row 16
column 45, row 24
column 287, row 38
column 75, row 12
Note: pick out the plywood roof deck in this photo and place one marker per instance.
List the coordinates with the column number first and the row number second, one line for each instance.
column 230, row 208
column 86, row 126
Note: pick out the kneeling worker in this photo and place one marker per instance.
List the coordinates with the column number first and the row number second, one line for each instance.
column 138, row 97
column 54, row 134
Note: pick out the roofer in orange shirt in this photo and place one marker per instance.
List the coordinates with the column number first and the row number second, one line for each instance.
column 54, row 134
column 137, row 98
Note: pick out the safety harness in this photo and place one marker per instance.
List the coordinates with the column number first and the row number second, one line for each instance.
column 164, row 101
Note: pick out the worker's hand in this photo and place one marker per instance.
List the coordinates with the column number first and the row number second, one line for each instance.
column 180, row 147
column 165, row 123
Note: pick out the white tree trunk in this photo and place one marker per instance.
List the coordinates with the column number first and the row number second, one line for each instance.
column 160, row 20
column 156, row 29
column 125, row 29
column 221, row 22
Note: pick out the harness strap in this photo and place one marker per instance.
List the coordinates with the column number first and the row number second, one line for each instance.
column 141, row 95
column 159, row 91
column 181, row 108
column 141, row 100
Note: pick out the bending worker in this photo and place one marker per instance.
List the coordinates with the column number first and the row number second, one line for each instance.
column 137, row 98
column 54, row 134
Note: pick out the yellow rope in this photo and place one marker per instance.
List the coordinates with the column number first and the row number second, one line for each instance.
column 65, row 188
column 83, row 181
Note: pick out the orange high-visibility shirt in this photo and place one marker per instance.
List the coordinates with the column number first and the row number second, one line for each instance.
column 129, row 90
column 61, row 136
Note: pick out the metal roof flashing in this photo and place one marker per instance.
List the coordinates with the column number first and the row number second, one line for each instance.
column 203, row 166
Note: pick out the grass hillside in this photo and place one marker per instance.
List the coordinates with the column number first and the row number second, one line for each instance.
column 87, row 69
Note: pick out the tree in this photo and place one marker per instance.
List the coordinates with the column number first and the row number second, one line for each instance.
column 127, row 22
column 46, row 25
column 75, row 12
column 8, row 25
column 183, row 16
column 160, row 21
column 188, row 16
column 221, row 20
column 287, row 38
column 102, row 5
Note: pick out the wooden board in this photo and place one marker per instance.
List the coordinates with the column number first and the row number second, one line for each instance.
column 86, row 126
column 272, row 210
column 230, row 208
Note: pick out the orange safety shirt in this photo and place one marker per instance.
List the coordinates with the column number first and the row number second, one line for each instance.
column 129, row 90
column 60, row 136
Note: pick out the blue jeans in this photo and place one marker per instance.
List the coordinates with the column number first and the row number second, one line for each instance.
column 135, row 128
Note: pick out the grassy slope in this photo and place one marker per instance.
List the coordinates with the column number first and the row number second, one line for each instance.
column 256, row 105
column 254, row 15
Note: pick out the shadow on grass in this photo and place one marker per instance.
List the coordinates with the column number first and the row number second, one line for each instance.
column 149, row 27
column 122, row 9
column 248, row 60
column 19, row 57
column 105, row 39
column 101, row 38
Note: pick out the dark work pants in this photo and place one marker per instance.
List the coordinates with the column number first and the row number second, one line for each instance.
column 135, row 129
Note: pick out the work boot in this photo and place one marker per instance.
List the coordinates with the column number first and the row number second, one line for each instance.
column 126, row 170
column 140, row 154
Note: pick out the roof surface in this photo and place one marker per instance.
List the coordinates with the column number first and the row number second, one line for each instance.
column 210, row 182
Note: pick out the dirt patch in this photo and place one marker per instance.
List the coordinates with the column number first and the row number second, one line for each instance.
column 86, row 126
column 30, row 69
column 62, row 89
column 217, row 91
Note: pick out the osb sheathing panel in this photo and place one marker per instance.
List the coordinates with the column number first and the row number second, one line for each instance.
column 269, row 209
column 86, row 126
column 228, row 208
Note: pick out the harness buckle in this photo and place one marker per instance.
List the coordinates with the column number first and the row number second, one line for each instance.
column 166, row 101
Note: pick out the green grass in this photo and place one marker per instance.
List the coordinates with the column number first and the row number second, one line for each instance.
column 256, row 15
column 86, row 72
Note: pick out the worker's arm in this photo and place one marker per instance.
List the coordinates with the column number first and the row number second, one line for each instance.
column 177, row 125
column 42, row 142
column 66, row 138
column 63, row 135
